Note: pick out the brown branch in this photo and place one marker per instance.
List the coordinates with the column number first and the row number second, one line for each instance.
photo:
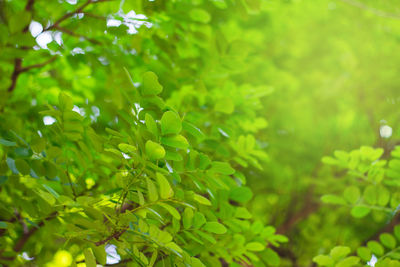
column 25, row 237
column 39, row 65
column 18, row 61
column 115, row 235
column 70, row 14
column 69, row 32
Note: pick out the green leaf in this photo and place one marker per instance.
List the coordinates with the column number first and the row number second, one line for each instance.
column 177, row 141
column 388, row 240
column 339, row 252
column 348, row 262
column 376, row 248
column 333, row 199
column 171, row 210
column 241, row 194
column 170, row 123
column 151, row 124
column 214, row 227
column 351, row 194
column 202, row 200
column 222, row 167
column 165, row 188
column 7, row 143
column 187, row 219
column 200, row 15
column 100, row 254
column 22, row 166
column 198, row 220
column 65, row 102
column 154, row 151
column 89, row 258
column 255, row 246
column 126, row 148
column 364, row 253
column 193, row 130
column 151, row 189
column 270, row 257
column 151, row 86
column 359, row 211
column 323, row 260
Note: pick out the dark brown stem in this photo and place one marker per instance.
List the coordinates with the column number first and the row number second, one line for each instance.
column 39, row 65
column 115, row 235
column 25, row 237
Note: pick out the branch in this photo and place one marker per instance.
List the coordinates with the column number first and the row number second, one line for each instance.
column 25, row 237
column 375, row 11
column 70, row 14
column 69, row 32
column 115, row 235
column 39, row 65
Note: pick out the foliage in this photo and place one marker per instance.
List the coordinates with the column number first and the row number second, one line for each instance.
column 191, row 132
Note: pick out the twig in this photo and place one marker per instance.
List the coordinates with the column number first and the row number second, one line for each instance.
column 25, row 237
column 70, row 14
column 69, row 32
column 115, row 235
column 39, row 65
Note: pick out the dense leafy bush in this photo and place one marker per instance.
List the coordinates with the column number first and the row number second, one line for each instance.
column 191, row 133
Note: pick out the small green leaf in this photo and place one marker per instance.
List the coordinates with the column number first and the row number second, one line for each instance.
column 126, row 148
column 170, row 123
column 364, row 253
column 165, row 188
column 202, row 200
column 255, row 246
column 359, row 211
column 388, row 240
column 376, row 248
column 152, row 191
column 333, row 199
column 198, row 220
column 171, row 210
column 214, row 227
column 200, row 15
column 7, row 143
column 351, row 194
column 241, row 194
column 339, row 252
column 65, row 102
column 151, row 86
column 151, row 124
column 323, row 260
column 22, row 166
column 89, row 258
column 222, row 167
column 348, row 262
column 187, row 218
column 177, row 141
column 154, row 151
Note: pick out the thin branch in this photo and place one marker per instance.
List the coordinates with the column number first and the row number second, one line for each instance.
column 115, row 235
column 70, row 14
column 25, row 237
column 373, row 10
column 39, row 65
column 69, row 32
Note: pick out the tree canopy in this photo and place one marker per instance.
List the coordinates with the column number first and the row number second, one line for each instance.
column 199, row 133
